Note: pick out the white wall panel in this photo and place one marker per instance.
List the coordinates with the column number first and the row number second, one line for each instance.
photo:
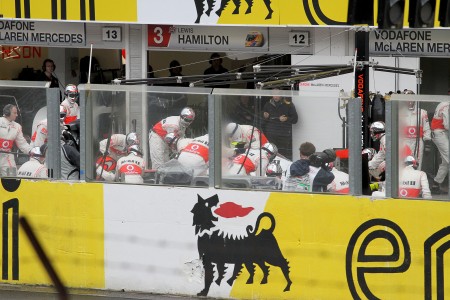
column 150, row 243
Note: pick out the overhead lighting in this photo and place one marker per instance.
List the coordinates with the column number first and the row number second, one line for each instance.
column 390, row 14
column 421, row 13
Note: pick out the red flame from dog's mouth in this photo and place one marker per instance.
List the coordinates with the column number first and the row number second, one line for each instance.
column 232, row 210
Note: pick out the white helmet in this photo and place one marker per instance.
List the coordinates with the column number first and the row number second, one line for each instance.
column 135, row 149
column 411, row 161
column 233, row 132
column 71, row 92
column 187, row 116
column 132, row 139
column 171, row 140
column 39, row 152
column 376, row 130
column 370, row 152
column 62, row 113
column 35, row 152
column 271, row 150
column 274, row 169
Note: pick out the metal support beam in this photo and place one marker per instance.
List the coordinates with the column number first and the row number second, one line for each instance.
column 355, row 160
column 362, row 82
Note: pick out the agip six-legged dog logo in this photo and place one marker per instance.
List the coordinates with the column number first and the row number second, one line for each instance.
column 217, row 248
column 199, row 6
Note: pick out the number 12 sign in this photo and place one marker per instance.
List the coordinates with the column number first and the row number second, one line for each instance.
column 299, row 38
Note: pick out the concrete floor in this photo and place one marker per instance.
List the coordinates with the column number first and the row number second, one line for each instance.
column 20, row 292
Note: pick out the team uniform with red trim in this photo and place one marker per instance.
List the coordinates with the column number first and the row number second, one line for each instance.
column 109, row 165
column 413, row 184
column 72, row 111
column 378, row 163
column 117, row 146
column 250, row 163
column 130, row 168
column 32, row 168
column 247, row 137
column 341, row 182
column 439, row 126
column 195, row 155
column 159, row 150
column 10, row 133
column 39, row 136
column 411, row 136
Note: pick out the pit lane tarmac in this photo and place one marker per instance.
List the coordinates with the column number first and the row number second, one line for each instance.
column 21, row 292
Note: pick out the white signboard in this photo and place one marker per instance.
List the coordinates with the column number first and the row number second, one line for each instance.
column 299, row 38
column 112, row 34
column 41, row 33
column 429, row 42
column 208, row 38
column 164, row 252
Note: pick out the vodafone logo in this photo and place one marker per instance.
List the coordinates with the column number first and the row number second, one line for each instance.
column 412, row 130
column 130, row 168
column 6, row 144
column 194, row 147
column 403, row 193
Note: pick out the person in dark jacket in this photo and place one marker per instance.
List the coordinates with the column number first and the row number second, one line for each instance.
column 70, row 156
column 319, row 175
column 216, row 68
column 175, row 70
column 279, row 115
column 299, row 180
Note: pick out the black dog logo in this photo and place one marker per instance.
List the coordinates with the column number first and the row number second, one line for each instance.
column 199, row 5
column 219, row 249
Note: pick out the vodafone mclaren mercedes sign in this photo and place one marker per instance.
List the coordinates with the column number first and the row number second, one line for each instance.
column 41, row 33
column 208, row 38
column 430, row 42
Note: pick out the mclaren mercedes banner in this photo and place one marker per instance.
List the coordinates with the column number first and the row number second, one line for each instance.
column 27, row 32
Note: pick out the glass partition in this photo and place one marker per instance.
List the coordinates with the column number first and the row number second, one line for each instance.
column 421, row 142
column 228, row 138
column 27, row 108
column 247, row 139
column 147, row 135
column 263, row 133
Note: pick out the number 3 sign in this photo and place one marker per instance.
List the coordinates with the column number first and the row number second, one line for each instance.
column 159, row 35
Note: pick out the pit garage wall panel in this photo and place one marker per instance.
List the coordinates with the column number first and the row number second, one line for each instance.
column 68, row 221
column 137, row 60
column 142, row 238
column 151, row 245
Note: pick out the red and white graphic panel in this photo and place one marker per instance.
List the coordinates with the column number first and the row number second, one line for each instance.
column 249, row 39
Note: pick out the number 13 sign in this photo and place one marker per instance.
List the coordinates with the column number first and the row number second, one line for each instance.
column 159, row 35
